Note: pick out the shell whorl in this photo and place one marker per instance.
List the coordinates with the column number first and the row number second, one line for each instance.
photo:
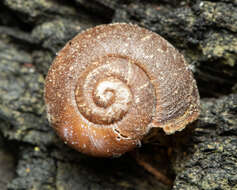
column 114, row 92
column 111, row 84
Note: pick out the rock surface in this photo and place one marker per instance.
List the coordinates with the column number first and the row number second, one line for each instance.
column 211, row 159
column 32, row 156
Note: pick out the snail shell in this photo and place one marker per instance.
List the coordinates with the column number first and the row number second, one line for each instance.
column 112, row 83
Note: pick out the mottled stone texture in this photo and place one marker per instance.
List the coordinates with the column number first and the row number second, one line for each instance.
column 32, row 156
column 211, row 161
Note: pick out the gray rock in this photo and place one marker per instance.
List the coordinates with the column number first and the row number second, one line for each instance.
column 211, row 157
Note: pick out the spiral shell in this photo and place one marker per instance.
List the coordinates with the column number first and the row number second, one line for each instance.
column 111, row 84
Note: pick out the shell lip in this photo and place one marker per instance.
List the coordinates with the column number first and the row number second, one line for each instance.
column 173, row 126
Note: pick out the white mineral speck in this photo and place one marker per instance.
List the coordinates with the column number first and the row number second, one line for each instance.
column 139, row 144
column 137, row 100
column 146, row 38
column 65, row 132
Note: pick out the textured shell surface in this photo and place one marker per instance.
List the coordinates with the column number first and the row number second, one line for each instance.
column 112, row 83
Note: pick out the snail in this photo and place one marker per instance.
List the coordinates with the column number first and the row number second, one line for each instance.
column 111, row 84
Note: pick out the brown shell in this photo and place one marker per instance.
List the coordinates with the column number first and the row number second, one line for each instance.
column 112, row 83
